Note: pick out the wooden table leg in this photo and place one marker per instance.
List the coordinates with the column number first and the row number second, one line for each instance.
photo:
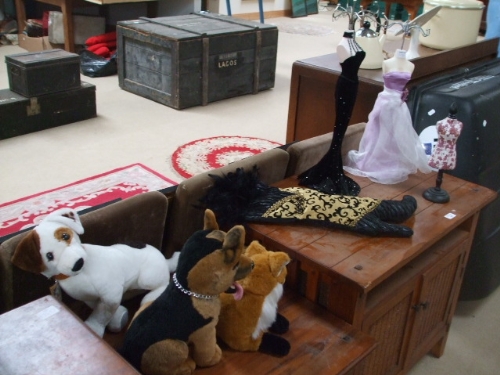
column 69, row 38
column 21, row 15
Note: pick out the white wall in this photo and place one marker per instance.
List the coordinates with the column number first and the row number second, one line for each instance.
column 247, row 6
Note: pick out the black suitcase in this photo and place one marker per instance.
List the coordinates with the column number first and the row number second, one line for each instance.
column 476, row 91
column 20, row 115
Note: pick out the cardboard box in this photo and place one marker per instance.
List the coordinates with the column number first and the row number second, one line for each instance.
column 36, row 44
column 83, row 27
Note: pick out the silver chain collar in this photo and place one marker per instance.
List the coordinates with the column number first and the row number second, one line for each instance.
column 190, row 293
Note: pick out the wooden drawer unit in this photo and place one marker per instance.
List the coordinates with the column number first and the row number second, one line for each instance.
column 401, row 291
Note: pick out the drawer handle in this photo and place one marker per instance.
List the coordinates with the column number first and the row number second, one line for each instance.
column 15, row 71
column 420, row 306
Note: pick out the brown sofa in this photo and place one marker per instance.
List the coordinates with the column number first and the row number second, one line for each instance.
column 162, row 220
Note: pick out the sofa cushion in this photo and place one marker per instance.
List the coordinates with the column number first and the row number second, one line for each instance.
column 185, row 217
column 304, row 154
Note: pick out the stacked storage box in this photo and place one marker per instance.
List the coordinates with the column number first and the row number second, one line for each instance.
column 45, row 91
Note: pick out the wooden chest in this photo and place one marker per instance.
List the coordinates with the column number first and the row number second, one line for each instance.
column 46, row 72
column 20, row 115
column 191, row 60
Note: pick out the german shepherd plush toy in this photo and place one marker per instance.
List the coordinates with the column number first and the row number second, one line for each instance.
column 176, row 332
column 244, row 324
column 96, row 275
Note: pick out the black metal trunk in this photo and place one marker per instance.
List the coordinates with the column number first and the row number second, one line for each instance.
column 20, row 115
column 185, row 61
column 46, row 72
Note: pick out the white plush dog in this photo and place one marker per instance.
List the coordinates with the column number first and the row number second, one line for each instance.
column 96, row 275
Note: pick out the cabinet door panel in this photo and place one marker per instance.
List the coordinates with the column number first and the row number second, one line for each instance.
column 389, row 325
column 433, row 307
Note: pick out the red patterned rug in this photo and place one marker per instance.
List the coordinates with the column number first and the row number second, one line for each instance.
column 119, row 183
column 209, row 153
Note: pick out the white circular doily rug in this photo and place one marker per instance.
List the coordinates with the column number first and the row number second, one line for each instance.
column 209, row 153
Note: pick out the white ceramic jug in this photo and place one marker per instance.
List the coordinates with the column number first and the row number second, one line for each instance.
column 372, row 43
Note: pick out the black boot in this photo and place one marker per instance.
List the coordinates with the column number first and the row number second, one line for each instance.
column 372, row 225
column 396, row 211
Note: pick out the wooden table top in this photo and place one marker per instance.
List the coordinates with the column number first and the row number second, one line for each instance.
column 44, row 337
column 367, row 261
column 430, row 62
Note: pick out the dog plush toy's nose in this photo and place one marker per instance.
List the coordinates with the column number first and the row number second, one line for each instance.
column 78, row 265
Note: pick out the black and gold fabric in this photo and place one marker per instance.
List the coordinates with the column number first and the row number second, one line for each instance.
column 240, row 197
column 304, row 203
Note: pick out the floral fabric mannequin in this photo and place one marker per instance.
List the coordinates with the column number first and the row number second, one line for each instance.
column 444, row 156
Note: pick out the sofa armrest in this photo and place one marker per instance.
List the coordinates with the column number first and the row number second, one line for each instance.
column 185, row 218
column 140, row 218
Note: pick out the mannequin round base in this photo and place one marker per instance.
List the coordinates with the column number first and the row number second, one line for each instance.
column 436, row 195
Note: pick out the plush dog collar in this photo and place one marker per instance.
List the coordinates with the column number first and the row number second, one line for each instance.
column 190, row 293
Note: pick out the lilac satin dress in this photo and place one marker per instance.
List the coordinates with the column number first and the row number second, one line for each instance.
column 390, row 149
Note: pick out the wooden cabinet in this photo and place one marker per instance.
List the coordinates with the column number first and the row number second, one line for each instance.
column 410, row 313
column 401, row 291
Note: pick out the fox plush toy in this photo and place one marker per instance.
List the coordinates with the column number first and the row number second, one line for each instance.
column 244, row 324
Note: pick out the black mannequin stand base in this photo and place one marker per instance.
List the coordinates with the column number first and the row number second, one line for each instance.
column 436, row 195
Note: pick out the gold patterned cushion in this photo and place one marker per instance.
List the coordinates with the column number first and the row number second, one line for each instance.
column 313, row 205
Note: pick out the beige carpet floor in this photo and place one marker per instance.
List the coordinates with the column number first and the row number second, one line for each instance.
column 130, row 129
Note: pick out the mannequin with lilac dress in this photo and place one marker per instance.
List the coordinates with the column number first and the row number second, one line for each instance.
column 328, row 175
column 389, row 149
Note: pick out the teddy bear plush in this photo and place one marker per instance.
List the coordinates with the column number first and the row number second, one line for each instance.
column 244, row 324
column 176, row 332
column 96, row 275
